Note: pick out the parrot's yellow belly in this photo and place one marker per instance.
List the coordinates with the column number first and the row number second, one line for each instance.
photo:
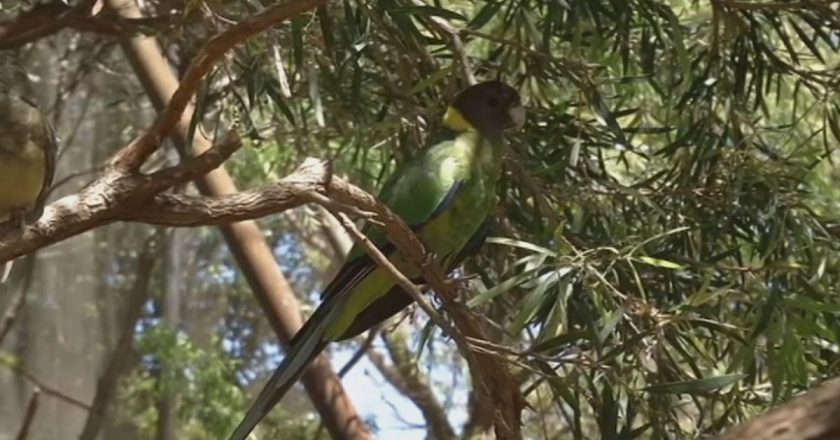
column 21, row 178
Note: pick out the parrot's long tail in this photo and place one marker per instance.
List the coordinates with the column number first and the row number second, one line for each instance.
column 304, row 347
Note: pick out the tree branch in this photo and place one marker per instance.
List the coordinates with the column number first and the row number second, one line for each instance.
column 46, row 389
column 29, row 416
column 110, row 199
column 245, row 240
column 135, row 154
column 47, row 19
column 814, row 415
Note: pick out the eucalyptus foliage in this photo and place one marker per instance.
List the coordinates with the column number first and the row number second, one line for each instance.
column 664, row 259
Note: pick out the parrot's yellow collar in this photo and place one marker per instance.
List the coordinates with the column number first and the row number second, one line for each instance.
column 456, row 121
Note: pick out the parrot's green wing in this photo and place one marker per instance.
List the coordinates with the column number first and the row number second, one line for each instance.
column 397, row 299
column 417, row 196
column 445, row 195
column 419, row 191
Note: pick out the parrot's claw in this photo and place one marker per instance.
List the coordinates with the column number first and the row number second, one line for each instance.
column 461, row 283
column 428, row 260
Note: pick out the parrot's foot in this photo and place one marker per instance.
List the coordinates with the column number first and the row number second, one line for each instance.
column 461, row 283
column 428, row 260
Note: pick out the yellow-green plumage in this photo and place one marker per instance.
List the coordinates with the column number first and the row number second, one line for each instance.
column 468, row 165
column 445, row 195
column 23, row 163
column 27, row 149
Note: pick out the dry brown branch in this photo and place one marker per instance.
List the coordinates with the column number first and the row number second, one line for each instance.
column 29, row 415
column 814, row 415
column 114, row 198
column 107, row 199
column 245, row 240
column 134, row 155
column 46, row 19
column 197, row 167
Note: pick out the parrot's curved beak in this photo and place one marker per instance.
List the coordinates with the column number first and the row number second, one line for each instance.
column 517, row 117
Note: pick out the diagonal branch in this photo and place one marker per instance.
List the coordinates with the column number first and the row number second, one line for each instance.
column 29, row 415
column 814, row 415
column 245, row 240
column 135, row 154
column 106, row 202
column 47, row 19
column 43, row 387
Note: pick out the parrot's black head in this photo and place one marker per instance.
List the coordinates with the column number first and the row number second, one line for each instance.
column 490, row 107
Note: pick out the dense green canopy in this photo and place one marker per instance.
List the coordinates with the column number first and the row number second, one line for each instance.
column 664, row 262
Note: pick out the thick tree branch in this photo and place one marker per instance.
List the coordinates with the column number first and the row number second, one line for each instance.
column 244, row 239
column 106, row 201
column 109, row 198
column 814, row 415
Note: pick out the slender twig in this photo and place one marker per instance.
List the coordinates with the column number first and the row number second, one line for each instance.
column 135, row 154
column 455, row 44
column 48, row 390
column 29, row 416
column 409, row 287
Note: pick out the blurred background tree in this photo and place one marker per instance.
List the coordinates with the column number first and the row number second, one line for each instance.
column 663, row 263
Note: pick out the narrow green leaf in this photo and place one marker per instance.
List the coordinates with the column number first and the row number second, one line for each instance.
column 660, row 263
column 533, row 301
column 695, row 386
column 485, row 15
column 520, row 244
column 297, row 40
column 428, row 11
column 498, row 289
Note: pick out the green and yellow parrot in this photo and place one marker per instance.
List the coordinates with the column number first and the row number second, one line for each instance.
column 446, row 195
column 27, row 150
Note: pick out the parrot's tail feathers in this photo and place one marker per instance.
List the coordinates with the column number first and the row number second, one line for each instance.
column 304, row 347
column 7, row 269
column 283, row 379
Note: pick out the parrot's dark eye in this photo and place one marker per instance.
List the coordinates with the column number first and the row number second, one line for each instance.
column 493, row 102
